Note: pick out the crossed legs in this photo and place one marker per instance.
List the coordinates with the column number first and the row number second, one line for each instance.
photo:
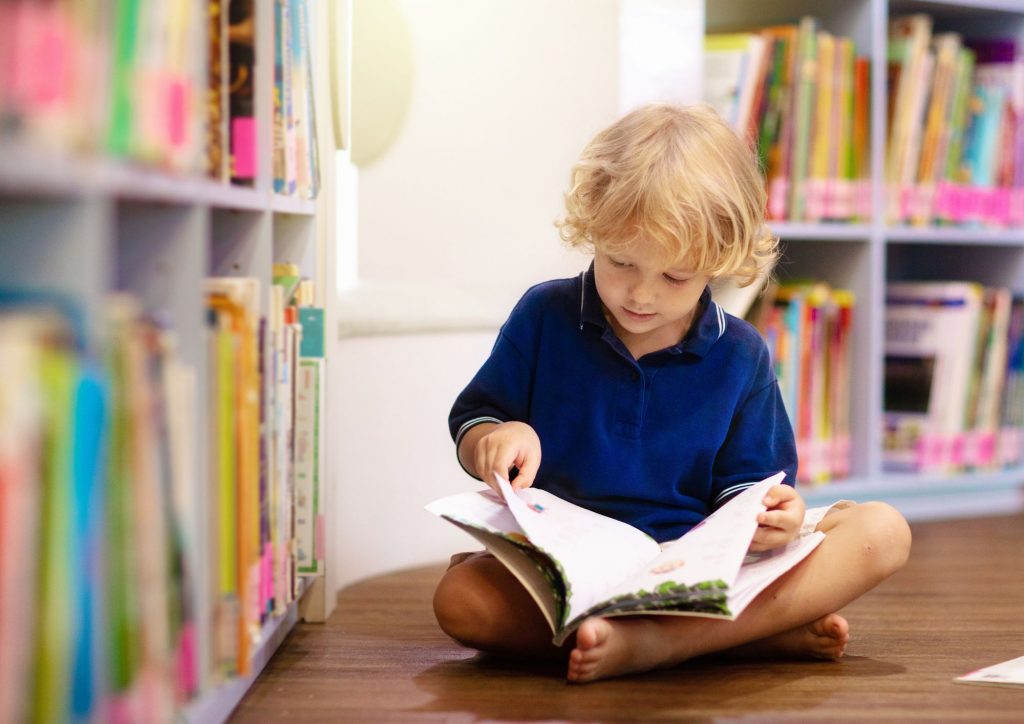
column 480, row 604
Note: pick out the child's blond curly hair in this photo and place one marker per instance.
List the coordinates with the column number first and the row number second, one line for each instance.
column 680, row 178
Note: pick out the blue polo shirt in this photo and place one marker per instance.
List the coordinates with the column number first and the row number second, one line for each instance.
column 658, row 442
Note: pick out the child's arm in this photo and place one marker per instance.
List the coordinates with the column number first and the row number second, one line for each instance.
column 781, row 523
column 490, row 448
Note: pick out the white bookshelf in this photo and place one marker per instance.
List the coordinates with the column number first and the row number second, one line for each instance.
column 865, row 256
column 218, row 703
column 86, row 226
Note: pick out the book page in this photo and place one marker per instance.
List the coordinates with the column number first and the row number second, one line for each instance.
column 759, row 570
column 593, row 552
column 1008, row 673
column 526, row 568
column 481, row 509
column 711, row 552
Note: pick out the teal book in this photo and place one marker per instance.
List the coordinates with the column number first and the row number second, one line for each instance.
column 312, row 321
column 87, row 459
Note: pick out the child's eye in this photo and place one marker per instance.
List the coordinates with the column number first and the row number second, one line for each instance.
column 674, row 280
column 620, row 264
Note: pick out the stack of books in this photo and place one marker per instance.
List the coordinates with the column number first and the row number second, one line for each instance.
column 954, row 377
column 955, row 151
column 802, row 97
column 171, row 85
column 808, row 326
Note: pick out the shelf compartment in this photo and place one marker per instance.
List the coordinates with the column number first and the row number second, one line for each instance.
column 990, row 264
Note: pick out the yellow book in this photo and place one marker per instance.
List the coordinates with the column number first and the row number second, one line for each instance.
column 840, row 172
column 937, row 122
column 822, row 139
column 227, row 613
column 238, row 298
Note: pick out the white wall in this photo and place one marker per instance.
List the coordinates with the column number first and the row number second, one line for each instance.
column 505, row 94
column 454, row 222
column 393, row 453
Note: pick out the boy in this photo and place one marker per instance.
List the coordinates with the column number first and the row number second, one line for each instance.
column 653, row 406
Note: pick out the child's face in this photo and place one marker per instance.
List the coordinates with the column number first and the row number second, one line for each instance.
column 650, row 306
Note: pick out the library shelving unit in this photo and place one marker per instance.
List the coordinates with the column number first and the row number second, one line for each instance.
column 864, row 256
column 86, row 226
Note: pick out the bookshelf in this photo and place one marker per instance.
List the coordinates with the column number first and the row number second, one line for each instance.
column 84, row 224
column 863, row 256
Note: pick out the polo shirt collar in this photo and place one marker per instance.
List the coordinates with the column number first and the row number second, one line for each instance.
column 710, row 325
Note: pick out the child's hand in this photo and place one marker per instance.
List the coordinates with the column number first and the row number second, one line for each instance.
column 508, row 445
column 781, row 523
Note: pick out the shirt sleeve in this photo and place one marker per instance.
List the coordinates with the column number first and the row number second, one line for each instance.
column 760, row 441
column 500, row 390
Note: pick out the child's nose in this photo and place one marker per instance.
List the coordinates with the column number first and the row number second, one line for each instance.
column 642, row 291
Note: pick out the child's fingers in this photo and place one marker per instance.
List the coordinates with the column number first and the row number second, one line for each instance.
column 528, row 464
column 778, row 520
column 778, row 495
column 764, row 539
column 768, row 538
column 771, row 519
column 491, row 460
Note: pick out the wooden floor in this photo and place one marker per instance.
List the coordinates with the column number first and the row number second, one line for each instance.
column 957, row 606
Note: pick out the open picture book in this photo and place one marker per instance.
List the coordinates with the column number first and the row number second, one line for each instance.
column 576, row 563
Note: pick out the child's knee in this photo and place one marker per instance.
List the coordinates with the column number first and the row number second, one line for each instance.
column 449, row 604
column 885, row 536
column 458, row 606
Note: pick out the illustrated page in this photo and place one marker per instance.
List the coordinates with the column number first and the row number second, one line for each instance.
column 711, row 553
column 593, row 551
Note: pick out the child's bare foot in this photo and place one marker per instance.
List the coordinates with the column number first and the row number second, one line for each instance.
column 825, row 638
column 606, row 648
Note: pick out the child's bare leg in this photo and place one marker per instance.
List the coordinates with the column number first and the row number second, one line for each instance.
column 864, row 545
column 480, row 604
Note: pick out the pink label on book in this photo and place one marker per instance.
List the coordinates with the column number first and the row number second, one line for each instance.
column 814, row 199
column 985, row 449
column 862, row 199
column 267, row 574
column 778, row 189
column 188, row 664
column 955, row 446
column 841, row 456
column 243, row 148
column 1009, row 446
column 957, row 203
column 320, row 539
column 1016, row 206
column 970, row 449
column 974, row 203
column 841, row 200
column 929, row 451
column 906, row 202
column 53, row 39
column 828, row 199
column 177, row 111
column 120, row 708
column 999, row 206
column 943, row 203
